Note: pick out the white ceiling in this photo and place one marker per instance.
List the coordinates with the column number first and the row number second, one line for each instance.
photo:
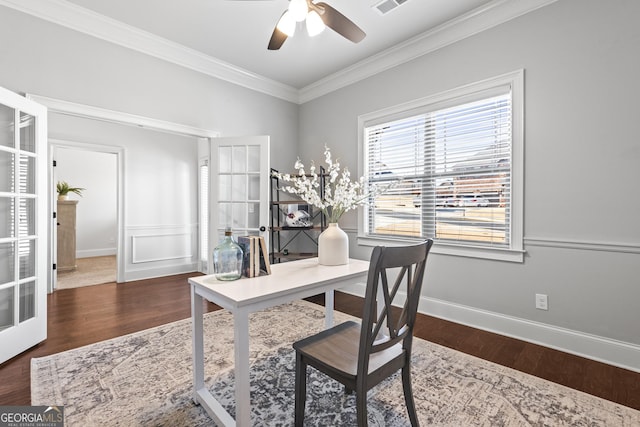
column 237, row 31
column 228, row 39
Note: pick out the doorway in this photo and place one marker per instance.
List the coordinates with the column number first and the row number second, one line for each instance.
column 95, row 169
column 63, row 110
column 94, row 211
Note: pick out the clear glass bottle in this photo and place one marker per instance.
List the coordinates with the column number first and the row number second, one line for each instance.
column 227, row 258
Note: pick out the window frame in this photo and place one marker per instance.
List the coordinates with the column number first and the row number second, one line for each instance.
column 456, row 96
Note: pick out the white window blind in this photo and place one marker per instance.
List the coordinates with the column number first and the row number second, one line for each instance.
column 204, row 214
column 452, row 164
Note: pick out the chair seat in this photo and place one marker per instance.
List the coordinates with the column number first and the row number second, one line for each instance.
column 337, row 348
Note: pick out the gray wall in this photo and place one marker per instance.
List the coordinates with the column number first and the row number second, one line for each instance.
column 582, row 235
column 160, row 170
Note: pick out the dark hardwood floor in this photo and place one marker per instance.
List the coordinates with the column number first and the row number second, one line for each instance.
column 83, row 316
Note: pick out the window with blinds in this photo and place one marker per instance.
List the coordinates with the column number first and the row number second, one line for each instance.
column 451, row 162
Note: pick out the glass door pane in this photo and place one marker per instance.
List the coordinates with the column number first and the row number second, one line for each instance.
column 7, row 171
column 6, row 308
column 23, row 224
column 7, row 133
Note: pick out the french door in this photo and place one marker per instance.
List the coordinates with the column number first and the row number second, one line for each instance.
column 239, row 188
column 23, row 224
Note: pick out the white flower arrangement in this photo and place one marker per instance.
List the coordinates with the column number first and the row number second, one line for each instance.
column 340, row 193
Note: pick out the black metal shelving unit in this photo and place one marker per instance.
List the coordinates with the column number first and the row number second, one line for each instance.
column 282, row 236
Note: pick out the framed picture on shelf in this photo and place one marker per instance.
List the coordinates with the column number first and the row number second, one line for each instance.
column 299, row 215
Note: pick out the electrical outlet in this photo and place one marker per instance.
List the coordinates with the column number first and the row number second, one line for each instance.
column 542, row 302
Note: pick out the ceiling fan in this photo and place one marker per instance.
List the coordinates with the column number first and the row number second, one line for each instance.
column 317, row 16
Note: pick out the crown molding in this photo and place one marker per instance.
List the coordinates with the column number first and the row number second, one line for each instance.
column 77, row 18
column 483, row 18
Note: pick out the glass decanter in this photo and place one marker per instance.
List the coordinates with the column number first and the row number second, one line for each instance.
column 227, row 258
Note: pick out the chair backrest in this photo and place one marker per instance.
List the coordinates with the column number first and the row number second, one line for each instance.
column 384, row 329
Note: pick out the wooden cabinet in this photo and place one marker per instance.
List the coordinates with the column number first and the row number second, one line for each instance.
column 66, row 235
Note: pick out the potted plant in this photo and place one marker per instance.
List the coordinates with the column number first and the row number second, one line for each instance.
column 64, row 189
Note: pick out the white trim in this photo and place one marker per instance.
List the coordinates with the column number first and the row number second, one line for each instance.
column 442, row 248
column 91, row 253
column 630, row 248
column 88, row 22
column 547, row 242
column 612, row 352
column 162, row 227
column 97, row 113
column 150, row 273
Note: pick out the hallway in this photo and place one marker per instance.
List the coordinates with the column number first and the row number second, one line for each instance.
column 90, row 271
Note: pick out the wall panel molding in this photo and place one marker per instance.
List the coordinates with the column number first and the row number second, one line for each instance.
column 547, row 242
column 160, row 247
column 156, row 250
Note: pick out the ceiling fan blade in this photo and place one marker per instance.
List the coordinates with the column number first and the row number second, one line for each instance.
column 278, row 37
column 339, row 23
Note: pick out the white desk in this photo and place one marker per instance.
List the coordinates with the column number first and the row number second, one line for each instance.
column 287, row 282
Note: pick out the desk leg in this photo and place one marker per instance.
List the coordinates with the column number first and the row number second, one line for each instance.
column 328, row 309
column 197, row 343
column 201, row 395
column 243, row 395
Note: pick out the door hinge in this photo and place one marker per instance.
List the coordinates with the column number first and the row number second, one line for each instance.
column 55, row 163
column 55, row 266
column 55, row 215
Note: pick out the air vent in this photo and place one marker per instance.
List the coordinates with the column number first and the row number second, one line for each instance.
column 385, row 6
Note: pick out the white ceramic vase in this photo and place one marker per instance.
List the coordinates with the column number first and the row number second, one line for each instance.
column 333, row 246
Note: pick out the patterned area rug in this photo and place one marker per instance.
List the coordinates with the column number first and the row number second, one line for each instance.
column 144, row 379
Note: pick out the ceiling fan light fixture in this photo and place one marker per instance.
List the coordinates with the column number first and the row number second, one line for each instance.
column 317, row 16
column 287, row 24
column 298, row 9
column 314, row 24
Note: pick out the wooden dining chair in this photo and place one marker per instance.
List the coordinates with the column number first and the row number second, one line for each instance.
column 361, row 355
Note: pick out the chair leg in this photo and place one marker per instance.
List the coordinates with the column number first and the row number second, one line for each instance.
column 361, row 407
column 300, row 390
column 408, row 395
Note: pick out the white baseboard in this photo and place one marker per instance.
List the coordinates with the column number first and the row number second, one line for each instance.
column 89, row 253
column 150, row 273
column 617, row 353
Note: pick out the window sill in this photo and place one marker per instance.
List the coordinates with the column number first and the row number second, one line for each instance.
column 496, row 254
